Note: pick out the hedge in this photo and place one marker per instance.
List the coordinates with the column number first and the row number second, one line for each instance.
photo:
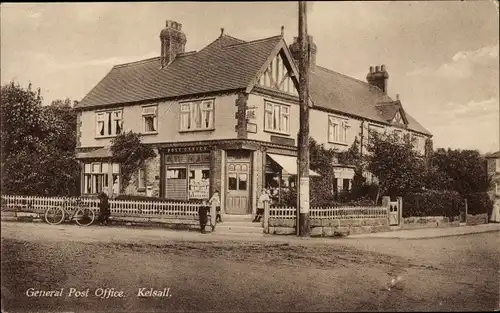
column 479, row 203
column 432, row 203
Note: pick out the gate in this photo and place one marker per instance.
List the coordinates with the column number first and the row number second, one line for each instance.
column 394, row 210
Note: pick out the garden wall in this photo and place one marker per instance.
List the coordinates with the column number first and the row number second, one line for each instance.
column 331, row 227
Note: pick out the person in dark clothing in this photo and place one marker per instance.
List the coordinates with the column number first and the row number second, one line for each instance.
column 202, row 213
column 104, row 208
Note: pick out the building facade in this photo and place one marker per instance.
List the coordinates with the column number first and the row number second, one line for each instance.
column 226, row 118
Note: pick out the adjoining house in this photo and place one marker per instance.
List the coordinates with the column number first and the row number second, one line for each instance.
column 493, row 169
column 226, row 118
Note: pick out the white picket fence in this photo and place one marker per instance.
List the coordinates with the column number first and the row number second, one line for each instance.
column 117, row 207
column 339, row 212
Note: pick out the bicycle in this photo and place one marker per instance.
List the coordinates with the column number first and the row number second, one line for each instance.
column 83, row 215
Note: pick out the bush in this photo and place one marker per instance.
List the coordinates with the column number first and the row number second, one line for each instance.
column 479, row 203
column 432, row 203
column 152, row 199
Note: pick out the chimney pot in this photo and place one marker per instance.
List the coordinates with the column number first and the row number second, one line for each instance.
column 371, row 69
column 282, row 30
column 377, row 69
column 222, row 31
column 382, row 68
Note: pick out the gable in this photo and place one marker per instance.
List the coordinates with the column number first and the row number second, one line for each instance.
column 278, row 75
column 397, row 118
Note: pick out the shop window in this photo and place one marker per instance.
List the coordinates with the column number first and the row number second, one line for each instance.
column 199, row 182
column 176, row 173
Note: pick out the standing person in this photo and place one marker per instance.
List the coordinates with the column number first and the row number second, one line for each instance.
column 215, row 200
column 202, row 213
column 260, row 205
column 104, row 208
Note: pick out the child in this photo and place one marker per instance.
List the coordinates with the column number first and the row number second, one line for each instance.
column 202, row 213
column 260, row 205
column 104, row 208
column 215, row 200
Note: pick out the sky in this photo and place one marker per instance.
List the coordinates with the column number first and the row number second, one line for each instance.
column 442, row 56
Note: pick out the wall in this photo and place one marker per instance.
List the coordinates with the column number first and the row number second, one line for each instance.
column 152, row 178
column 168, row 123
column 331, row 228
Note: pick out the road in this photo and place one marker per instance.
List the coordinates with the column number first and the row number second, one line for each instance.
column 211, row 273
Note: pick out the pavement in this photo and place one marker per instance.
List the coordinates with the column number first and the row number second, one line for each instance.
column 426, row 233
column 157, row 233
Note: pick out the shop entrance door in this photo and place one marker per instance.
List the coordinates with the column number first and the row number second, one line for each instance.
column 238, row 187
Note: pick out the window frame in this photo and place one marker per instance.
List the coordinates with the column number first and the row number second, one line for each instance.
column 343, row 126
column 145, row 115
column 141, row 178
column 109, row 117
column 283, row 118
column 204, row 106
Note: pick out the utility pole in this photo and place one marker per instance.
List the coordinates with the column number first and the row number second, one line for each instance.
column 303, row 140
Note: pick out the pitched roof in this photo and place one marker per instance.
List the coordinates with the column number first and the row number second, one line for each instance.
column 225, row 64
column 338, row 92
column 229, row 63
column 493, row 155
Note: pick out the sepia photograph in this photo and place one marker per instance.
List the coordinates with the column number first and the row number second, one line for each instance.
column 287, row 156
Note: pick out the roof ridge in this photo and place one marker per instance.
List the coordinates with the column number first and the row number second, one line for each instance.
column 242, row 41
column 351, row 78
column 217, row 39
column 136, row 62
column 252, row 42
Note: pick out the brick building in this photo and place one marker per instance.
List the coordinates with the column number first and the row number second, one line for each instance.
column 226, row 118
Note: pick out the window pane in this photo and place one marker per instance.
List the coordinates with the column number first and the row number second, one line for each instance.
column 243, row 181
column 96, row 168
column 149, row 123
column 116, row 168
column 88, row 168
column 104, row 168
column 232, row 182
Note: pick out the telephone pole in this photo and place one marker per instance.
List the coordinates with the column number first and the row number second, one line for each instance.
column 303, row 140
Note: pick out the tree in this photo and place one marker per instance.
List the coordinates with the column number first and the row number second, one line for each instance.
column 38, row 144
column 395, row 163
column 321, row 161
column 131, row 153
column 460, row 170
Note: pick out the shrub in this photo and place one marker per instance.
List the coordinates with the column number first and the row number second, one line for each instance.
column 432, row 203
column 478, row 203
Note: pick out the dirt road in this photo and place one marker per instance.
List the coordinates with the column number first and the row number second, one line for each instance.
column 204, row 273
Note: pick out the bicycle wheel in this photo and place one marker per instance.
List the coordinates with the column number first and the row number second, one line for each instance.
column 84, row 216
column 54, row 215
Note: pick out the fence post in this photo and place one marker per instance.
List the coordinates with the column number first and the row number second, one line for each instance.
column 386, row 201
column 266, row 217
column 213, row 214
column 400, row 209
column 466, row 209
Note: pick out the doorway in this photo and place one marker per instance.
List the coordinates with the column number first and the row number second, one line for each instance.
column 238, row 187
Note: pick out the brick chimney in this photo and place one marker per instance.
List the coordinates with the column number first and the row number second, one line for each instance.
column 173, row 42
column 313, row 49
column 378, row 77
